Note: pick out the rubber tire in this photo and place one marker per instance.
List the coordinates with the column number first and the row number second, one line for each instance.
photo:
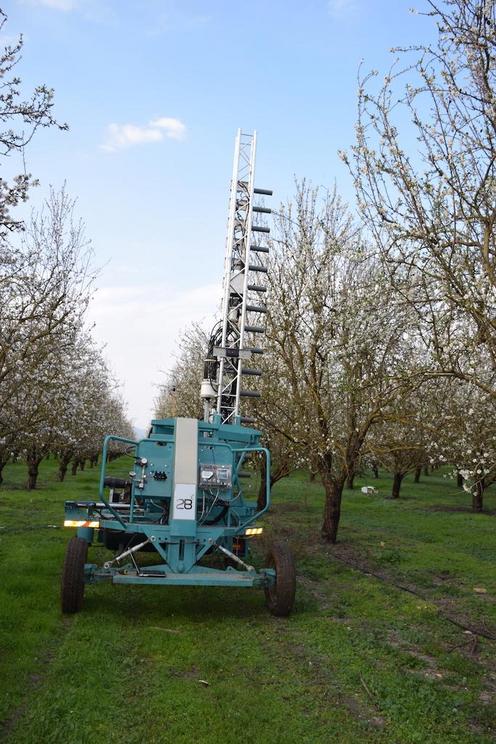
column 72, row 589
column 280, row 597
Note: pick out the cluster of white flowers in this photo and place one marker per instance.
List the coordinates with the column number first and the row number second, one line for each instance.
column 56, row 394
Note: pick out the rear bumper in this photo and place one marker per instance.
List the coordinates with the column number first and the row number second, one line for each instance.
column 163, row 576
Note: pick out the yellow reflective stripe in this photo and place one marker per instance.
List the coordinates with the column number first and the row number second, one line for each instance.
column 81, row 523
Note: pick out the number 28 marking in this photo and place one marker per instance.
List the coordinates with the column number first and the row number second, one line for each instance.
column 184, row 504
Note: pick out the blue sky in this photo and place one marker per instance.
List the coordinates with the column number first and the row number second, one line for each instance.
column 153, row 91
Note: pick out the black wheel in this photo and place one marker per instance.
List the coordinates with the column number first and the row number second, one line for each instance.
column 73, row 575
column 280, row 596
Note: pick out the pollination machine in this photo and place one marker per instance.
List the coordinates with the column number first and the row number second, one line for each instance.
column 183, row 499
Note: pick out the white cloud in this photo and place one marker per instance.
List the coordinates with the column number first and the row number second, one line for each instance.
column 174, row 128
column 119, row 136
column 338, row 8
column 56, row 4
column 139, row 326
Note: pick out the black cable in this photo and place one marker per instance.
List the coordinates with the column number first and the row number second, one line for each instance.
column 219, row 516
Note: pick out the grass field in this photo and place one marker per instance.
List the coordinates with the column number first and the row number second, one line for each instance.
column 390, row 641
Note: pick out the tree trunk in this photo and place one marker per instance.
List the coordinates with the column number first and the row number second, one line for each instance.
column 312, row 476
column 350, row 479
column 261, row 490
column 418, row 473
column 74, row 467
column 375, row 470
column 62, row 470
column 397, row 481
column 5, row 455
column 478, row 496
column 459, row 480
column 82, row 464
column 332, row 508
column 426, row 470
column 4, row 458
column 63, row 465
column 33, row 461
column 3, row 463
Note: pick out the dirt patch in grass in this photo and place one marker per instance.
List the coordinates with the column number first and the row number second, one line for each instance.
column 323, row 678
column 191, row 672
column 315, row 589
column 429, row 667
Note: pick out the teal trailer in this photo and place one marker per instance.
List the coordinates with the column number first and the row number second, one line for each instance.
column 183, row 501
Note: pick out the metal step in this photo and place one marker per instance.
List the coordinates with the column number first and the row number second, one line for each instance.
column 251, row 372
column 260, row 228
column 249, row 394
column 259, row 248
column 254, row 329
column 256, row 288
column 262, row 210
column 256, row 308
column 256, row 267
column 255, row 350
column 230, row 352
column 263, row 192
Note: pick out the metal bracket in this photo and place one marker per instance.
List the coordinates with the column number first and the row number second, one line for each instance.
column 109, row 564
column 235, row 558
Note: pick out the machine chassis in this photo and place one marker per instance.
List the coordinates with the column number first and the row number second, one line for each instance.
column 180, row 543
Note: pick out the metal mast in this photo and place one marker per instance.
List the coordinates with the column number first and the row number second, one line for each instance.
column 243, row 308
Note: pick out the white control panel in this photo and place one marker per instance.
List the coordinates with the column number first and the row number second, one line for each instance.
column 215, row 476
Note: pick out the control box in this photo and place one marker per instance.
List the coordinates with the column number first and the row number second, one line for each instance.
column 215, row 476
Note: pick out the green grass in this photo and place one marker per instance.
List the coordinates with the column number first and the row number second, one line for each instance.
column 360, row 660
